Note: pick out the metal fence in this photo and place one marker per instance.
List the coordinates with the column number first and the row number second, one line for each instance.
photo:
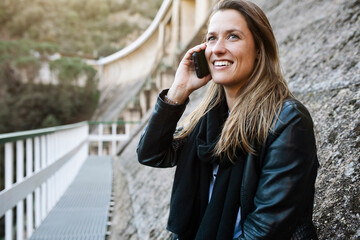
column 37, row 166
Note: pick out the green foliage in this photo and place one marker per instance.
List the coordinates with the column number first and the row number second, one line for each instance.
column 107, row 50
column 50, row 121
column 20, row 22
column 26, row 47
column 70, row 69
column 23, row 55
column 147, row 9
column 14, row 49
column 77, row 26
column 25, row 106
column 35, row 106
column 26, row 61
column 46, row 48
column 33, row 30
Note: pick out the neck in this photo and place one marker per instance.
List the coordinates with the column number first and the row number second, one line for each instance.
column 230, row 98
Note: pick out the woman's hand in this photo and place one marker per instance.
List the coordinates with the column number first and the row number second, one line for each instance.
column 186, row 80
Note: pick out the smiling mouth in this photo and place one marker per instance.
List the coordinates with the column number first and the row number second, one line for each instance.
column 222, row 63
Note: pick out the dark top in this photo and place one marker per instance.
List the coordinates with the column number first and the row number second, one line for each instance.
column 277, row 184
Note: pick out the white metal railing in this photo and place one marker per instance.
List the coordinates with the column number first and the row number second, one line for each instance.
column 108, row 132
column 39, row 165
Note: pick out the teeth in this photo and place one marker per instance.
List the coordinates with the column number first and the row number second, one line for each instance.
column 222, row 63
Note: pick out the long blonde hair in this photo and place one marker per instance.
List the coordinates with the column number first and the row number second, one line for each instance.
column 255, row 108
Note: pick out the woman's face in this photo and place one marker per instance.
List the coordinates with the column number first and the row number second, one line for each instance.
column 230, row 49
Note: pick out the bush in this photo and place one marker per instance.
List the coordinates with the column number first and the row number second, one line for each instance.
column 50, row 121
column 37, row 105
column 73, row 25
column 31, row 15
column 23, row 55
column 70, row 69
column 25, row 106
column 26, row 61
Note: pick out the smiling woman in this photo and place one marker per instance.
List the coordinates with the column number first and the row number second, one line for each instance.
column 246, row 158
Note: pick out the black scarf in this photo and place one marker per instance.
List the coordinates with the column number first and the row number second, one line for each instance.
column 191, row 216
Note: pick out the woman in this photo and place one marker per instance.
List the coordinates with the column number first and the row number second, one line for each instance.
column 246, row 158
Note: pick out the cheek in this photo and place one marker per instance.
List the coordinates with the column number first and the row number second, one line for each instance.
column 247, row 57
column 245, row 62
column 207, row 53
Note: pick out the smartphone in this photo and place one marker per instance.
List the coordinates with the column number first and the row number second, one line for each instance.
column 201, row 65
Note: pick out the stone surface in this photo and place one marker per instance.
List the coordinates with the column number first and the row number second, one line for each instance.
column 141, row 193
column 319, row 45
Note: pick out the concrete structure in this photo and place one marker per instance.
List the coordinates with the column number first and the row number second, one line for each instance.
column 130, row 79
column 172, row 29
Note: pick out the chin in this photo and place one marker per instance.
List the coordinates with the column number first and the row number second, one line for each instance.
column 222, row 81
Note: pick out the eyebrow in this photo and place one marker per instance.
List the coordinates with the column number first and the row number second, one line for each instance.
column 228, row 31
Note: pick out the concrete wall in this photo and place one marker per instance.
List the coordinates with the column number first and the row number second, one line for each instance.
column 153, row 55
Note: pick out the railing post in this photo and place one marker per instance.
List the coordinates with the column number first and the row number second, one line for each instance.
column 34, row 173
column 57, row 175
column 127, row 129
column 50, row 186
column 44, row 185
column 113, row 146
column 29, row 198
column 37, row 190
column 8, row 184
column 19, row 178
column 100, row 146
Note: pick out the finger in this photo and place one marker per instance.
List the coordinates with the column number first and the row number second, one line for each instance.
column 197, row 48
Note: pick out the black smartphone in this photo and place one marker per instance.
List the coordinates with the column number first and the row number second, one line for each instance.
column 201, row 66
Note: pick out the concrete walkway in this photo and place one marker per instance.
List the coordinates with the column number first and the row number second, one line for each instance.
column 82, row 212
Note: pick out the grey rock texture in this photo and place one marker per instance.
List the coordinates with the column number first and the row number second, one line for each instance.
column 319, row 45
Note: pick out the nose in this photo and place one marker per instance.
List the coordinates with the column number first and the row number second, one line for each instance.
column 219, row 47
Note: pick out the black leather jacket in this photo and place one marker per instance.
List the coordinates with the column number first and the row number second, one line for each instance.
column 278, row 183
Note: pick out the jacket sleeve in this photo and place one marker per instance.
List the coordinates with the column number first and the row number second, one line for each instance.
column 156, row 147
column 285, row 188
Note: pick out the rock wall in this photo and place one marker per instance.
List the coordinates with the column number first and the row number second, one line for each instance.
column 319, row 44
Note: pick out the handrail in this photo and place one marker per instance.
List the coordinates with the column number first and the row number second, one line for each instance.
column 139, row 41
column 120, row 122
column 10, row 197
column 44, row 163
column 12, row 137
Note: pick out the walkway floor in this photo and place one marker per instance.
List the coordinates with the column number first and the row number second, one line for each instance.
column 82, row 212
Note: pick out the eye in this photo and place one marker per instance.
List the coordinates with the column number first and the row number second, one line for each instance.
column 210, row 38
column 233, row 36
